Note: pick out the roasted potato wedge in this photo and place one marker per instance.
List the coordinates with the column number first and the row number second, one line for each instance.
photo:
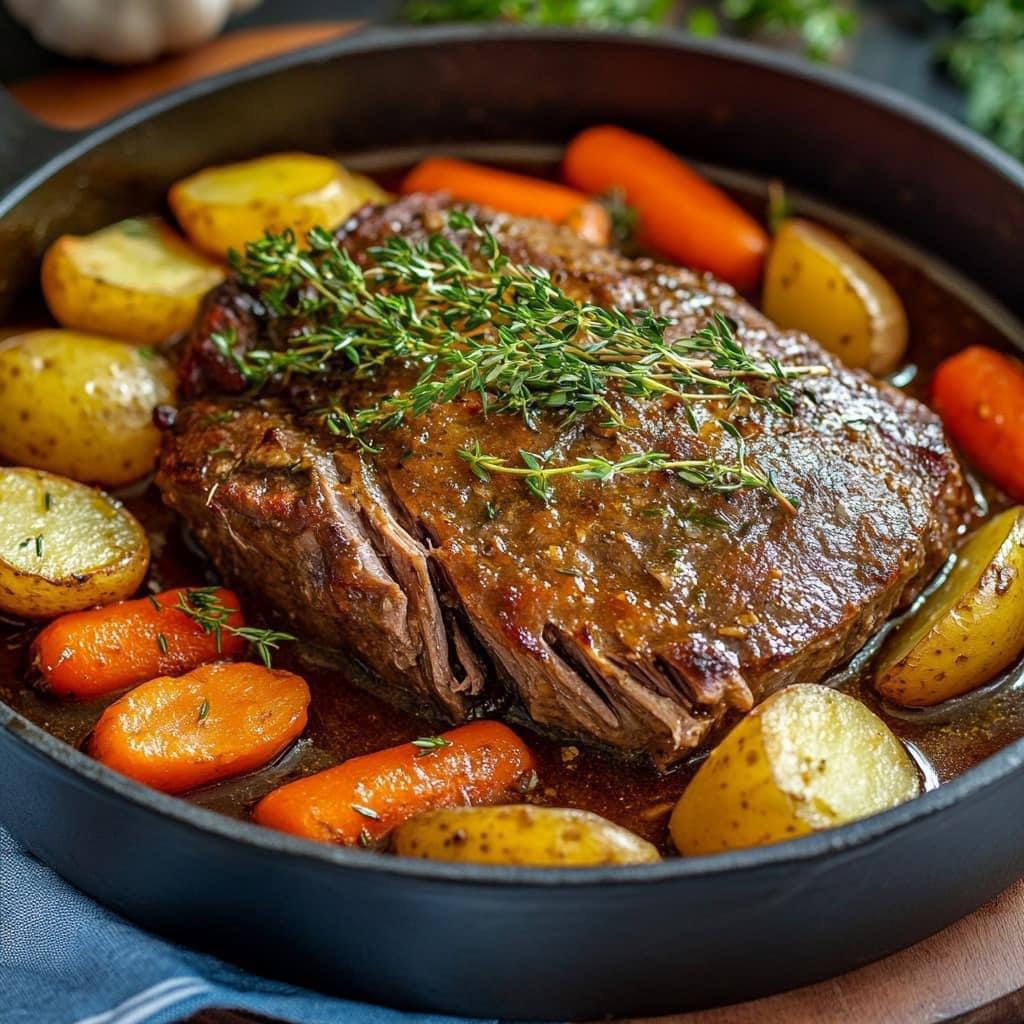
column 806, row 759
column 64, row 546
column 222, row 208
column 969, row 629
column 81, row 405
column 815, row 282
column 135, row 280
column 520, row 834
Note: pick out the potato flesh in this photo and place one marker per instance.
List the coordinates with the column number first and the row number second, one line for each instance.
column 520, row 834
column 816, row 283
column 80, row 405
column 808, row 758
column 64, row 546
column 135, row 280
column 222, row 208
column 285, row 175
column 970, row 629
column 143, row 255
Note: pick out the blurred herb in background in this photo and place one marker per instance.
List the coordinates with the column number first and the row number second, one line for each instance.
column 594, row 13
column 820, row 24
column 985, row 55
column 984, row 52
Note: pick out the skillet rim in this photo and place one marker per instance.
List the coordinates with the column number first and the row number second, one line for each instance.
column 847, row 839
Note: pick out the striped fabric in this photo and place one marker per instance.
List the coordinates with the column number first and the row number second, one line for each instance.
column 66, row 960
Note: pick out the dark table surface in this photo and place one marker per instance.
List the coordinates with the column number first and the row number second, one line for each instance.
column 896, row 44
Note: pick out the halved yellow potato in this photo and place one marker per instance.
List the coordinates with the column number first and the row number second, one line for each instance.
column 81, row 405
column 135, row 280
column 64, row 546
column 521, row 834
column 222, row 208
column 806, row 759
column 815, row 282
column 969, row 629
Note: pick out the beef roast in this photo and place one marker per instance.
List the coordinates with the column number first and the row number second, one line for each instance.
column 637, row 613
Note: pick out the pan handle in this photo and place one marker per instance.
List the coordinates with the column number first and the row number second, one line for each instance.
column 25, row 143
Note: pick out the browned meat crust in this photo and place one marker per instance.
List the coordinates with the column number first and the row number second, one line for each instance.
column 636, row 613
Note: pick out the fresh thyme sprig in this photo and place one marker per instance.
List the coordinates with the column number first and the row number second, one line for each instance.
column 707, row 474
column 503, row 331
column 204, row 606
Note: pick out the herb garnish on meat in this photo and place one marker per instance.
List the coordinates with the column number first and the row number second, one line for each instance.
column 507, row 333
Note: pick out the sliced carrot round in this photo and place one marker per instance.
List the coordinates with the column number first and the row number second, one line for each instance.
column 216, row 722
column 103, row 650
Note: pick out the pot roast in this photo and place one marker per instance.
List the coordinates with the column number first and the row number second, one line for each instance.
column 636, row 613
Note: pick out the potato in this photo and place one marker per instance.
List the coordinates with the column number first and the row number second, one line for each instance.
column 815, row 282
column 807, row 758
column 81, row 405
column 222, row 208
column 969, row 629
column 64, row 546
column 135, row 280
column 520, row 834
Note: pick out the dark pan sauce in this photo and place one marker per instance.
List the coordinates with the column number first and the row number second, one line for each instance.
column 346, row 720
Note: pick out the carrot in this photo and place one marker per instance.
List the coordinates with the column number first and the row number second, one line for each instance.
column 979, row 393
column 103, row 650
column 177, row 733
column 361, row 800
column 513, row 193
column 680, row 213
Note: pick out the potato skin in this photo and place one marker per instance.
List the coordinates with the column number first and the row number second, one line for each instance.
column 807, row 758
column 520, row 834
column 222, row 208
column 816, row 283
column 81, row 405
column 970, row 630
column 90, row 550
column 135, row 280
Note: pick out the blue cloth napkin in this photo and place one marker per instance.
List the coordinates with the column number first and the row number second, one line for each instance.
column 66, row 960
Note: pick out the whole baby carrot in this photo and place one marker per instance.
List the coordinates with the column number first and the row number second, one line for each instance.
column 979, row 393
column 103, row 650
column 681, row 214
column 362, row 799
column 513, row 193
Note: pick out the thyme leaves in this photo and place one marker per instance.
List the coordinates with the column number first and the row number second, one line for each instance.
column 204, row 606
column 507, row 333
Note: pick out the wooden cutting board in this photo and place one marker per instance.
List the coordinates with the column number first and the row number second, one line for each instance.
column 972, row 973
column 82, row 97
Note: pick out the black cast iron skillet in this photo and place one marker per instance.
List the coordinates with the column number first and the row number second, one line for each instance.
column 520, row 942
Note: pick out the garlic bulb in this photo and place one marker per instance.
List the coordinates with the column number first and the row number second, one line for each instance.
column 123, row 31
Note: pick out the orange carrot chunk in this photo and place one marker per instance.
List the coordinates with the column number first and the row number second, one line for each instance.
column 103, row 650
column 979, row 393
column 513, row 193
column 680, row 214
column 178, row 733
column 361, row 800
